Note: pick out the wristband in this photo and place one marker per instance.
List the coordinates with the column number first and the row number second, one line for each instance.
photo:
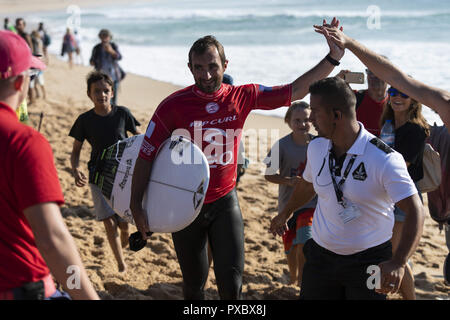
column 332, row 61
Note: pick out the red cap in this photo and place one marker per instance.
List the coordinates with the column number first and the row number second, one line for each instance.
column 15, row 55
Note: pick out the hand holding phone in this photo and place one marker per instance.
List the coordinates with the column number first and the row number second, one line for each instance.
column 354, row 77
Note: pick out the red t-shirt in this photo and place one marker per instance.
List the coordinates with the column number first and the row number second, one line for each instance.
column 214, row 122
column 369, row 113
column 27, row 177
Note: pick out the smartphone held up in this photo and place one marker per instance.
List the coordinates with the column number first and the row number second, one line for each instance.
column 354, row 77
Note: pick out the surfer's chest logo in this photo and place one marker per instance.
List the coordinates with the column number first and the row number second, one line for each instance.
column 212, row 107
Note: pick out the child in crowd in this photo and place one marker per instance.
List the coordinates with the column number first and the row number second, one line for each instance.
column 285, row 164
column 105, row 57
column 102, row 127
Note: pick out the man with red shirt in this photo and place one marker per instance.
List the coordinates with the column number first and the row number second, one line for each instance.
column 370, row 102
column 213, row 113
column 33, row 237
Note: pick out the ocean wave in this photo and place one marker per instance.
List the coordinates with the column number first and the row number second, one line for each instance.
column 278, row 64
column 239, row 14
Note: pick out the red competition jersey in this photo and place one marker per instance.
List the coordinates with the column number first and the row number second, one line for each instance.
column 214, row 122
column 27, row 177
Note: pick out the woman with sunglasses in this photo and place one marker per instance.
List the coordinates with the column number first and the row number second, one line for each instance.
column 411, row 130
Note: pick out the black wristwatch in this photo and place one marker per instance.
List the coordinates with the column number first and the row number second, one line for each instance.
column 332, row 61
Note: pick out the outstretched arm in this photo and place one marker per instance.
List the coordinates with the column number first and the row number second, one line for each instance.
column 303, row 192
column 300, row 86
column 279, row 179
column 435, row 98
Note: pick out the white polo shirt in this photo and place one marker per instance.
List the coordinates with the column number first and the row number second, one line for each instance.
column 378, row 179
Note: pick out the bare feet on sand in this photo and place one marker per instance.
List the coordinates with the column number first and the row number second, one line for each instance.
column 122, row 267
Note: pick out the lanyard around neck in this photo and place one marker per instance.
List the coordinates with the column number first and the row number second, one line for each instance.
column 338, row 186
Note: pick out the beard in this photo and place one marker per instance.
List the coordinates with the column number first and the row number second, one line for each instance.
column 209, row 88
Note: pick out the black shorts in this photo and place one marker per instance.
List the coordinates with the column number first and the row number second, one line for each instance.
column 330, row 276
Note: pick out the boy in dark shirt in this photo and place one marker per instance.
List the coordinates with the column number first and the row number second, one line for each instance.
column 102, row 127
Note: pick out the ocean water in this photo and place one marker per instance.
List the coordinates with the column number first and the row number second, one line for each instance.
column 270, row 42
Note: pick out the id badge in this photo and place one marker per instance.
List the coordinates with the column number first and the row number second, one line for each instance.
column 351, row 212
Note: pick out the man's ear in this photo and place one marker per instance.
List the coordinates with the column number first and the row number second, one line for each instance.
column 18, row 82
column 337, row 114
column 225, row 65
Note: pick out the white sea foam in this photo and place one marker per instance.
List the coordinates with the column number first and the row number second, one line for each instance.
column 275, row 65
column 155, row 38
column 183, row 13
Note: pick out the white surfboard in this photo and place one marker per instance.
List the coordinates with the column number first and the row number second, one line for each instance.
column 178, row 182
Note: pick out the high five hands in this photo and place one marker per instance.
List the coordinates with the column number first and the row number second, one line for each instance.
column 334, row 35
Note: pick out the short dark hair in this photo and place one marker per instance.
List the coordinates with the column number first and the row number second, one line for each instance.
column 336, row 94
column 200, row 46
column 95, row 76
column 104, row 33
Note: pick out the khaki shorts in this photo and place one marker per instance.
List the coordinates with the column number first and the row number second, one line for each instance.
column 102, row 209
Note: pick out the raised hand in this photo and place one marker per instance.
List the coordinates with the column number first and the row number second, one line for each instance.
column 336, row 51
column 333, row 35
column 342, row 74
column 108, row 48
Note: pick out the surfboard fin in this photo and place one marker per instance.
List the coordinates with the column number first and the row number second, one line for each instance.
column 199, row 193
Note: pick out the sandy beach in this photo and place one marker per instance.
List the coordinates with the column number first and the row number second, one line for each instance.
column 154, row 273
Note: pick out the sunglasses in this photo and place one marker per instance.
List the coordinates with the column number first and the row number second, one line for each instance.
column 393, row 92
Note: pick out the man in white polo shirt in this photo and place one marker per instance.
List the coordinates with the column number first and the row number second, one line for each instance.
column 358, row 179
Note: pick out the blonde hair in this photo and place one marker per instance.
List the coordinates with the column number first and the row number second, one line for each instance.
column 294, row 106
column 414, row 115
